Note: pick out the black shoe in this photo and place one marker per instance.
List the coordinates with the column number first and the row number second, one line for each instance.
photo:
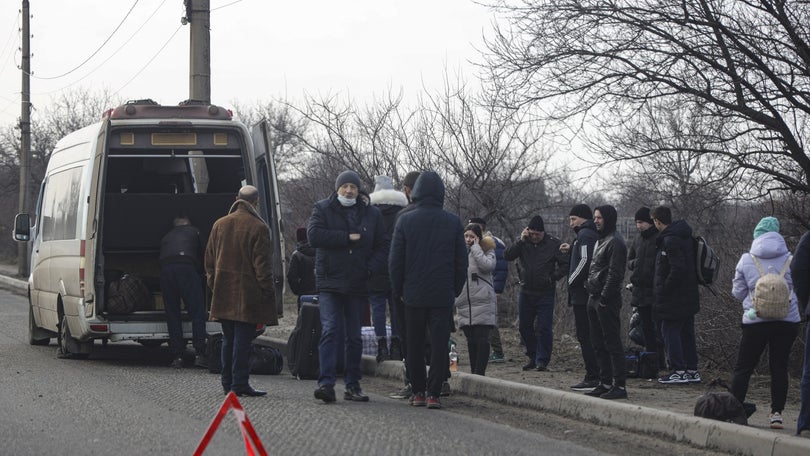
column 585, row 385
column 530, row 366
column 404, row 393
column 249, row 391
column 541, row 368
column 177, row 362
column 325, row 393
column 201, row 361
column 598, row 391
column 395, row 352
column 446, row 391
column 354, row 393
column 382, row 349
column 616, row 392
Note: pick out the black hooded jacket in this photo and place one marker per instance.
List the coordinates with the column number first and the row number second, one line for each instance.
column 428, row 259
column 676, row 284
column 609, row 262
column 641, row 263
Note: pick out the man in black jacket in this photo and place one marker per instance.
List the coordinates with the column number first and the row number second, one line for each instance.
column 428, row 268
column 350, row 241
column 641, row 263
column 677, row 299
column 605, row 290
column 800, row 271
column 581, row 252
column 542, row 265
column 301, row 272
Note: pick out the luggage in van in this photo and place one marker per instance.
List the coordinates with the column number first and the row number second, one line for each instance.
column 302, row 346
column 128, row 294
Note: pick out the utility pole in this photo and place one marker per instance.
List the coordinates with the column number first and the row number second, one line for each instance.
column 25, row 132
column 198, row 12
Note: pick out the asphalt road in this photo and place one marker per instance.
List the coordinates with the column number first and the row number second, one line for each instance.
column 124, row 400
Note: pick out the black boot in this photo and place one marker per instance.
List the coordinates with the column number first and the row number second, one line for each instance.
column 382, row 349
column 396, row 349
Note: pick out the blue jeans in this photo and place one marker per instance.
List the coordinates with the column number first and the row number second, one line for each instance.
column 181, row 280
column 803, row 421
column 379, row 302
column 236, row 339
column 537, row 337
column 340, row 314
column 679, row 343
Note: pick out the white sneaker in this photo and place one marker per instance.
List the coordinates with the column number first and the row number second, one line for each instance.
column 776, row 420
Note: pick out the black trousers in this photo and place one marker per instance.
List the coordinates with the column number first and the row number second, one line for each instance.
column 583, row 329
column 399, row 309
column 605, row 327
column 478, row 347
column 778, row 336
column 418, row 321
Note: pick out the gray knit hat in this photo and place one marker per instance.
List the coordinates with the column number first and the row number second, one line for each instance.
column 348, row 177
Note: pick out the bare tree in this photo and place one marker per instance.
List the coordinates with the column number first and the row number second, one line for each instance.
column 599, row 62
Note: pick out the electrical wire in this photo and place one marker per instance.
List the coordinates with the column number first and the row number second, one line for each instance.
column 148, row 19
column 95, row 52
column 225, row 5
column 150, row 60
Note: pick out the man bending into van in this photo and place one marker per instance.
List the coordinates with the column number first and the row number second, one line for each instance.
column 180, row 256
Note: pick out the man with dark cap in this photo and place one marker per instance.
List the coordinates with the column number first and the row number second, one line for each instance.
column 641, row 263
column 604, row 287
column 350, row 244
column 542, row 264
column 428, row 269
column 301, row 271
column 499, row 277
column 677, row 298
column 581, row 252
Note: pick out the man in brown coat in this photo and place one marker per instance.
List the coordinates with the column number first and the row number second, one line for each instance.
column 239, row 272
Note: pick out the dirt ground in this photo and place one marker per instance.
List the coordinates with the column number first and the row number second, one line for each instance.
column 566, row 368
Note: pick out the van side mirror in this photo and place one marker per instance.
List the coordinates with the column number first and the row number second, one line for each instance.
column 22, row 227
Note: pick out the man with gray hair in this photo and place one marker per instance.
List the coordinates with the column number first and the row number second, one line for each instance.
column 240, row 274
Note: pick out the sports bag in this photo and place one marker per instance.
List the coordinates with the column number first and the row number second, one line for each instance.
column 771, row 292
column 266, row 360
column 722, row 405
column 128, row 294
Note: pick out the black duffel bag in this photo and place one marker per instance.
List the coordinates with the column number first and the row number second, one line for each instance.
column 264, row 360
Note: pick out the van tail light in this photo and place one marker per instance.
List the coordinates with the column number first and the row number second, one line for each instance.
column 81, row 266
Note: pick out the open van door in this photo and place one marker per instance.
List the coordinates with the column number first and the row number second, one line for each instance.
column 270, row 206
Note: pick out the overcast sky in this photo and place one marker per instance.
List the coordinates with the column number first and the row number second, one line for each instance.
column 261, row 49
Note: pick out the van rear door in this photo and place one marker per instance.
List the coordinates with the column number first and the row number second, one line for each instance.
column 270, row 207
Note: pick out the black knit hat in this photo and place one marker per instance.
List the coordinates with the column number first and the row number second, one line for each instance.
column 348, row 177
column 581, row 210
column 537, row 224
column 643, row 215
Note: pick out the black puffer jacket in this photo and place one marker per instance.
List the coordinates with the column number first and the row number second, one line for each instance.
column 676, row 285
column 542, row 264
column 609, row 262
column 343, row 266
column 641, row 263
column 428, row 259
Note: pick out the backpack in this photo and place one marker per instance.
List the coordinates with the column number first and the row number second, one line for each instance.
column 771, row 292
column 722, row 405
column 707, row 261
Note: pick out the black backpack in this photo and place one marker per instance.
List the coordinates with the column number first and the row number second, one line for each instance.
column 707, row 261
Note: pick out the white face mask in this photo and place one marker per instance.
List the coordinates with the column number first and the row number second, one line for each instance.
column 346, row 201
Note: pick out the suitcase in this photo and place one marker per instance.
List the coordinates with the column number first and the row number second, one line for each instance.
column 302, row 346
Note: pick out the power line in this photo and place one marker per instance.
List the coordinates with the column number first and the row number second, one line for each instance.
column 96, row 51
column 150, row 60
column 225, row 5
column 9, row 45
column 148, row 19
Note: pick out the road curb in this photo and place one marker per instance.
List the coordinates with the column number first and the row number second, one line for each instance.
column 700, row 432
column 15, row 284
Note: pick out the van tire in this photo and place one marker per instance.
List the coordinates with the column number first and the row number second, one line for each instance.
column 68, row 347
column 36, row 335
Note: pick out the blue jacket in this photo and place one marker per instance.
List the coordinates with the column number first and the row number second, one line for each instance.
column 428, row 259
column 501, row 272
column 343, row 266
column 675, row 285
column 772, row 253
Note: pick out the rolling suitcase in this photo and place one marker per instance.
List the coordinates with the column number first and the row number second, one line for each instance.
column 302, row 346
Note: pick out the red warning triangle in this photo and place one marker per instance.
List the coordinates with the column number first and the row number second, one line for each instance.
column 253, row 446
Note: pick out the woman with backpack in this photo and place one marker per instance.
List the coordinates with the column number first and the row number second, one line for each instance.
column 763, row 283
column 476, row 305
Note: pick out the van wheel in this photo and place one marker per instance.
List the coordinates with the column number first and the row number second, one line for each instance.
column 68, row 347
column 36, row 335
